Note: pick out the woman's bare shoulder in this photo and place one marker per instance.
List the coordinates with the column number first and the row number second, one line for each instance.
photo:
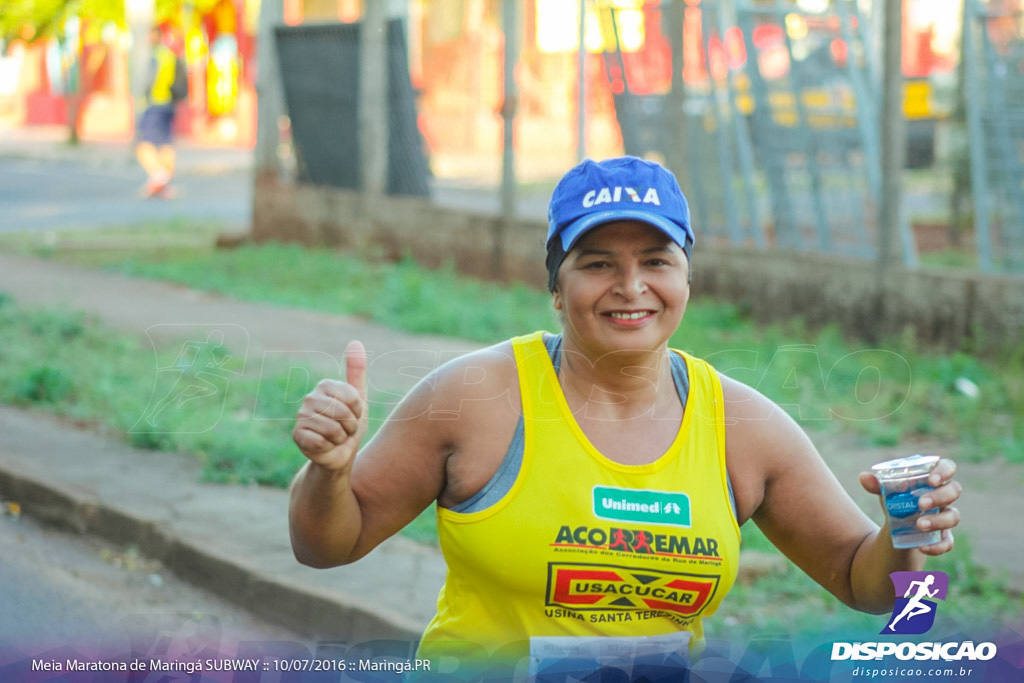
column 464, row 391
column 477, row 407
column 762, row 442
column 477, row 375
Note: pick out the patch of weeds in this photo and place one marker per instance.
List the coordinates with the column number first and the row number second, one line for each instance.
column 242, row 455
column 887, row 393
column 982, row 598
column 423, row 529
column 43, row 384
column 752, row 538
column 152, row 441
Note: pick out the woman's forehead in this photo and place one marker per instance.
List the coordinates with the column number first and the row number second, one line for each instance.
column 610, row 235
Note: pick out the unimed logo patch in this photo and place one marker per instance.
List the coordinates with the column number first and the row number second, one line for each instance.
column 642, row 505
column 916, row 595
column 608, row 587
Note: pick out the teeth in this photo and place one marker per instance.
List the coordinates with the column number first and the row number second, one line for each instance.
column 629, row 316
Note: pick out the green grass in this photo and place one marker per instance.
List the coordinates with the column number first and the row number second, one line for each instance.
column 68, row 364
column 891, row 394
column 402, row 295
column 71, row 365
column 950, row 258
column 896, row 393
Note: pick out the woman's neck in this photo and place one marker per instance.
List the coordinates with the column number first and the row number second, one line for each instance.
column 617, row 384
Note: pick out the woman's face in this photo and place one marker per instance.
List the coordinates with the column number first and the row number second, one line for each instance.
column 623, row 286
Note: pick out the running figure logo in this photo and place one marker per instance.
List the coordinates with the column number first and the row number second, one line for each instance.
column 191, row 387
column 914, row 612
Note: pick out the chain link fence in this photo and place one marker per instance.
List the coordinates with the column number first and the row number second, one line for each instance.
column 773, row 126
column 994, row 82
column 782, row 133
column 782, row 127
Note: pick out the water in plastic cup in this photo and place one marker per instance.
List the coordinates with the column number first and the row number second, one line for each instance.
column 903, row 482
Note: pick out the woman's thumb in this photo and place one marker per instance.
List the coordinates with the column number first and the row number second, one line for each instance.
column 355, row 366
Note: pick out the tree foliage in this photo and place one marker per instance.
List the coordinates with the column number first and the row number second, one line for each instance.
column 33, row 20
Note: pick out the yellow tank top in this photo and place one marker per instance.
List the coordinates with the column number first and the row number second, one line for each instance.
column 582, row 545
column 163, row 77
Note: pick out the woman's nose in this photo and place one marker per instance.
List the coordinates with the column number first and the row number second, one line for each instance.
column 631, row 282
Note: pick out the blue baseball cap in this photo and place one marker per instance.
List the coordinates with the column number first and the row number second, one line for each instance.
column 621, row 188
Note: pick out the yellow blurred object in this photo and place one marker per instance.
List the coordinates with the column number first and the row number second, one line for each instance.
column 917, row 96
column 222, row 85
column 841, row 105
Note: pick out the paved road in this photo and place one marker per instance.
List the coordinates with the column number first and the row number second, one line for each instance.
column 103, row 190
column 62, row 589
column 47, row 185
column 100, row 188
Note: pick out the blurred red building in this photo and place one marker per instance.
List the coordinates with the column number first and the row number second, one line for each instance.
column 456, row 50
column 83, row 78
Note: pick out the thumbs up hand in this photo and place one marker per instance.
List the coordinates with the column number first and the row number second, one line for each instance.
column 332, row 420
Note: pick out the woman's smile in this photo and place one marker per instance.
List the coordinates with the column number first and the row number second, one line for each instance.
column 630, row 318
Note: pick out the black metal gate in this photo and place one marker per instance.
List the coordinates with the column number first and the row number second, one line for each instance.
column 320, row 73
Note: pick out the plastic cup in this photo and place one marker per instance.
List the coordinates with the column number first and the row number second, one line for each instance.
column 903, row 482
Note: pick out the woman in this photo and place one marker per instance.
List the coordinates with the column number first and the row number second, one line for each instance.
column 590, row 483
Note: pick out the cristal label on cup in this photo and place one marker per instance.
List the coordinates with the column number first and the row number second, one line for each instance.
column 903, row 482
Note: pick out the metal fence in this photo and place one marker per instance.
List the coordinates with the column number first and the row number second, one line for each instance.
column 782, row 140
column 320, row 73
column 994, row 82
column 813, row 129
column 783, row 134
column 778, row 122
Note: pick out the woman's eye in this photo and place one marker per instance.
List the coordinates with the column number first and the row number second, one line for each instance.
column 596, row 265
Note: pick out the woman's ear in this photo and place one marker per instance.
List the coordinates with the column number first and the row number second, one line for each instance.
column 556, row 299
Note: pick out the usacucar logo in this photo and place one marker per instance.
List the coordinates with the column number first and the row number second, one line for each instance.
column 609, row 587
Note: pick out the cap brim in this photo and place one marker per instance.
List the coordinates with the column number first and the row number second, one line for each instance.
column 572, row 232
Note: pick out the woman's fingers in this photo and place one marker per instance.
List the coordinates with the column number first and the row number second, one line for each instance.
column 944, row 545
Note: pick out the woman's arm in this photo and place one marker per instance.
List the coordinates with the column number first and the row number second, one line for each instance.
column 782, row 483
column 350, row 497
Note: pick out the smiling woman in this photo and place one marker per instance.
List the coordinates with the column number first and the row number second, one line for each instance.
column 622, row 276
column 590, row 484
